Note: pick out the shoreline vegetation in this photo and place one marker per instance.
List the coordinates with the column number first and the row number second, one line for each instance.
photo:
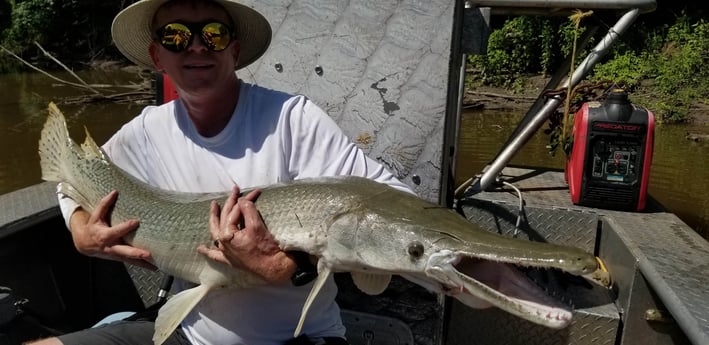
column 520, row 100
column 660, row 64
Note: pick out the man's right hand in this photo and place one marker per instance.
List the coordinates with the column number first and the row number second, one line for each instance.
column 94, row 235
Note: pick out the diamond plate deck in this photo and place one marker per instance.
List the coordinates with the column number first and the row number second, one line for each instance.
column 669, row 254
column 26, row 207
column 542, row 224
column 147, row 283
column 593, row 306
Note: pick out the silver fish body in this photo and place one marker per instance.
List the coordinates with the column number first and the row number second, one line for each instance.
column 351, row 224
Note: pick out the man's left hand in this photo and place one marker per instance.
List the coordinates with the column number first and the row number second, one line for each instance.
column 243, row 241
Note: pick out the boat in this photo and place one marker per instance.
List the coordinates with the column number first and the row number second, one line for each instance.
column 391, row 74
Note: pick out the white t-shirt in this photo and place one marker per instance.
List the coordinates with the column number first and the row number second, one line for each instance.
column 271, row 137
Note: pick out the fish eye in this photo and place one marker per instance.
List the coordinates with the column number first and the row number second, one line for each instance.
column 415, row 250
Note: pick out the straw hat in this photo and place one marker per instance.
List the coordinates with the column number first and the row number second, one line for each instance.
column 131, row 31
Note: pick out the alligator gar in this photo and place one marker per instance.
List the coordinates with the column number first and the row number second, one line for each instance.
column 351, row 224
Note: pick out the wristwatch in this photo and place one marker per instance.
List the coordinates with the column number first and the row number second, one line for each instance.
column 305, row 271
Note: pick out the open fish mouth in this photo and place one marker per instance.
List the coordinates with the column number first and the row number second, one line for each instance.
column 481, row 283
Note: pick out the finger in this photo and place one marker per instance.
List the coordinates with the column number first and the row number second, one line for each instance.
column 129, row 254
column 249, row 213
column 104, row 206
column 229, row 203
column 226, row 235
column 117, row 231
column 253, row 195
column 125, row 252
column 224, row 219
column 228, row 228
column 214, row 254
column 214, row 219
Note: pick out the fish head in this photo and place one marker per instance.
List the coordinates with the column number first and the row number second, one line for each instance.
column 442, row 251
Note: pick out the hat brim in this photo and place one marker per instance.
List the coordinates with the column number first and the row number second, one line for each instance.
column 131, row 31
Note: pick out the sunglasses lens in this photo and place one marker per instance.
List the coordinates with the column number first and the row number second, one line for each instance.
column 216, row 36
column 175, row 37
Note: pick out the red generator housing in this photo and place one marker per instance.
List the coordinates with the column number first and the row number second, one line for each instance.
column 164, row 90
column 609, row 166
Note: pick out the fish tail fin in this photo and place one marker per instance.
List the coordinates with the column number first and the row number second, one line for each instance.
column 175, row 310
column 54, row 146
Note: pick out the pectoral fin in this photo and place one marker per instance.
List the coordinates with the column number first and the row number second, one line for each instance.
column 371, row 284
column 323, row 274
column 175, row 310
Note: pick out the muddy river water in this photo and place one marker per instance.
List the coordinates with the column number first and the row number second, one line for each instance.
column 679, row 177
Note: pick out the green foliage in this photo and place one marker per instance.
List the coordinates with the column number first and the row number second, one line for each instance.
column 626, row 69
column 524, row 45
column 566, row 34
column 662, row 64
column 683, row 57
column 671, row 65
column 69, row 29
column 506, row 56
column 30, row 20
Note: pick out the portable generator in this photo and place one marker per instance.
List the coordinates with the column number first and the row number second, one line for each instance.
column 609, row 166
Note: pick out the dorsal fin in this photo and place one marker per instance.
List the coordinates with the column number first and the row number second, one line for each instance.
column 91, row 150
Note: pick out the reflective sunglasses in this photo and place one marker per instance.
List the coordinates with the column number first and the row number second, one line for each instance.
column 177, row 36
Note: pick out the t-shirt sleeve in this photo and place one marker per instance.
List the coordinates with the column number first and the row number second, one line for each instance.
column 67, row 206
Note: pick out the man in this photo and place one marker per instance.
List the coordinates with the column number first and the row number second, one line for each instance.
column 221, row 132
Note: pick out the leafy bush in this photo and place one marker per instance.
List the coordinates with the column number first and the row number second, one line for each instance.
column 520, row 46
column 666, row 61
column 672, row 65
column 626, row 68
column 70, row 29
column 683, row 57
column 30, row 20
column 524, row 45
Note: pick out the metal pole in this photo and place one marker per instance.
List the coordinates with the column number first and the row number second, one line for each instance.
column 545, row 5
column 489, row 176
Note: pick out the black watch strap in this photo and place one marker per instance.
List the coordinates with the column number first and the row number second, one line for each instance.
column 305, row 271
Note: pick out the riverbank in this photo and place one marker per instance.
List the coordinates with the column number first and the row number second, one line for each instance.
column 519, row 101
